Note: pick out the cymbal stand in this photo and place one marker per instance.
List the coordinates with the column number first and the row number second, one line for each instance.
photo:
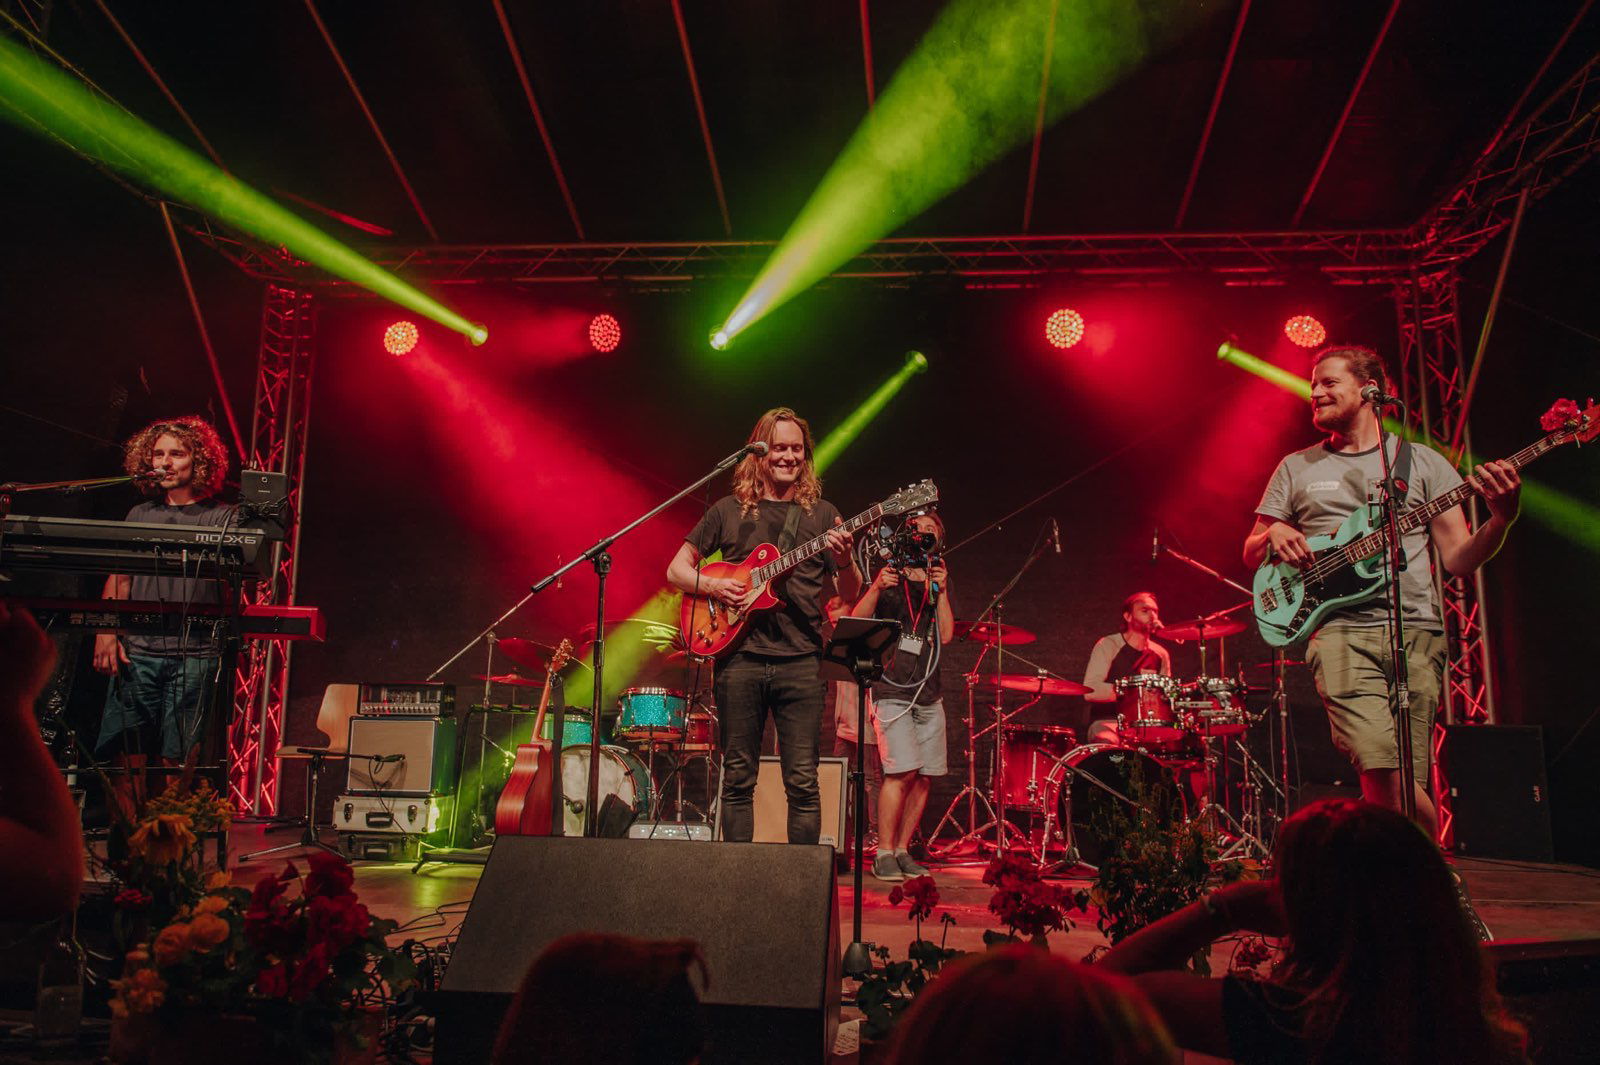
column 1243, row 841
column 971, row 793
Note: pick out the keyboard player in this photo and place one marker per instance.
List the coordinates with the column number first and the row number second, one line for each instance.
column 163, row 686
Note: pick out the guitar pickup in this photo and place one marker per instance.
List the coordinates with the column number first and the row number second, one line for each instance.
column 1288, row 590
column 1269, row 600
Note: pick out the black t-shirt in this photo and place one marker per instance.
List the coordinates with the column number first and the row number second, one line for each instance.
column 178, row 590
column 794, row 627
column 917, row 611
column 1131, row 661
column 1265, row 1022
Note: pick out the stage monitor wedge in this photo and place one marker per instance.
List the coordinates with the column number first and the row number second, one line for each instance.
column 764, row 915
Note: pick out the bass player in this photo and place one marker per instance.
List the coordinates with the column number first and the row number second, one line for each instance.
column 1311, row 493
column 776, row 499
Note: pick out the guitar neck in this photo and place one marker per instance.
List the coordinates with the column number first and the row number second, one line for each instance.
column 778, row 567
column 1374, row 542
column 544, row 704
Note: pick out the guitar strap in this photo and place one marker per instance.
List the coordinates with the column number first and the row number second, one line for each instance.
column 790, row 525
column 1401, row 470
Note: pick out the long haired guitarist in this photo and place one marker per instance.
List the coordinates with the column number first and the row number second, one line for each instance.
column 776, row 499
column 1313, row 493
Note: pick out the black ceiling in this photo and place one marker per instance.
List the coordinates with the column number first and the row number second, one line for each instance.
column 784, row 85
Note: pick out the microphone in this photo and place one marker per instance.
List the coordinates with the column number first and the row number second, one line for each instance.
column 153, row 474
column 381, row 759
column 756, row 447
column 1155, row 544
column 1378, row 398
column 1055, row 533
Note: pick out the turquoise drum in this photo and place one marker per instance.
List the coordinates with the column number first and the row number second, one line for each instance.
column 577, row 728
column 650, row 715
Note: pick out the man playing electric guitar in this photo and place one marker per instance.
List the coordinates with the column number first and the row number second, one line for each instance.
column 777, row 499
column 1311, row 493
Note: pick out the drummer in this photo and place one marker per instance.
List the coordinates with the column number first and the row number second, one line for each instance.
column 1124, row 654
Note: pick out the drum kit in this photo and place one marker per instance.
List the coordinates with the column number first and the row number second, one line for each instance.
column 657, row 735
column 1169, row 731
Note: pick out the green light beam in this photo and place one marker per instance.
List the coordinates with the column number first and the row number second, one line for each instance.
column 862, row 416
column 37, row 95
column 1563, row 514
column 969, row 93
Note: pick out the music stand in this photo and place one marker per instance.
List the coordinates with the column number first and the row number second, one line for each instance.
column 858, row 651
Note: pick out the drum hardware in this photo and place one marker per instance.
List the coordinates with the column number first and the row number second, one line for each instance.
column 1081, row 784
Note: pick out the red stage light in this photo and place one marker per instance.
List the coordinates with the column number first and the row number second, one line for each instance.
column 605, row 333
column 1305, row 330
column 1064, row 327
column 400, row 338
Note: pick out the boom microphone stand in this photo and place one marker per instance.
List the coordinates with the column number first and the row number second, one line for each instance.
column 599, row 555
column 1394, row 562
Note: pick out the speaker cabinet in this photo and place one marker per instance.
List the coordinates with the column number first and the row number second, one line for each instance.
column 1499, row 798
column 1553, row 987
column 765, row 917
column 771, row 803
column 427, row 750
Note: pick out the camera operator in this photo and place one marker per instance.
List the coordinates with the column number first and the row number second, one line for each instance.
column 913, row 589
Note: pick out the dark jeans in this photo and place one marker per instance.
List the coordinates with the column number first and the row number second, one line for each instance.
column 748, row 688
column 157, row 704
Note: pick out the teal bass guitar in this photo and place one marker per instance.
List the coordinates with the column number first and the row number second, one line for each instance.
column 1347, row 568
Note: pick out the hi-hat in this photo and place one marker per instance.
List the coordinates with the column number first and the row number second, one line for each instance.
column 516, row 680
column 992, row 632
column 1201, row 629
column 1035, row 683
column 530, row 653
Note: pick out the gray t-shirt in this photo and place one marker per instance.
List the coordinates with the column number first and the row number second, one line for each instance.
column 200, row 636
column 1317, row 489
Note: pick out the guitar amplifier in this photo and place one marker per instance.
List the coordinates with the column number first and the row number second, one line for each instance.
column 411, row 756
column 407, row 700
column 771, row 806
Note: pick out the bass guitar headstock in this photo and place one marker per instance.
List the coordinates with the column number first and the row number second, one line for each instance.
column 1570, row 425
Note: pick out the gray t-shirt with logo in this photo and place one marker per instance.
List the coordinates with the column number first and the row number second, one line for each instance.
column 1317, row 489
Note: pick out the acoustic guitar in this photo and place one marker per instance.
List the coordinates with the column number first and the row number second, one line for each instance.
column 524, row 807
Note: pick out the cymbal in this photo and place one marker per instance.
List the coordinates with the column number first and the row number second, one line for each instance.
column 1033, row 682
column 516, row 680
column 1201, row 629
column 992, row 632
column 530, row 653
column 1269, row 665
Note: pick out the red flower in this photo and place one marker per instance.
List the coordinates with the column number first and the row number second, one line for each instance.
column 896, row 895
column 1563, row 414
column 273, row 981
column 924, row 896
column 337, row 921
column 131, row 899
column 309, row 974
column 330, row 875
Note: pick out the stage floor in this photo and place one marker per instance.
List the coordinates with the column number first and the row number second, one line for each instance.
column 1518, row 900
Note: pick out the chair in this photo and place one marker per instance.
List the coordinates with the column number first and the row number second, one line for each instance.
column 339, row 704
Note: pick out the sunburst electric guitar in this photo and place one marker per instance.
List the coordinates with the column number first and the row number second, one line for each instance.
column 1347, row 567
column 711, row 628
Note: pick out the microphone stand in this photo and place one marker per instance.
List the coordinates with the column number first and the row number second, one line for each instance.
column 599, row 555
column 1394, row 561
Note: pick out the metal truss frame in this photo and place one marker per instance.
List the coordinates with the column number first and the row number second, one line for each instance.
column 278, row 444
column 1432, row 378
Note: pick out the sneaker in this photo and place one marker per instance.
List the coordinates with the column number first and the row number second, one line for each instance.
column 907, row 866
column 885, row 868
column 1479, row 928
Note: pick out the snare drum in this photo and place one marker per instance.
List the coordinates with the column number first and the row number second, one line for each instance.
column 621, row 775
column 650, row 715
column 1030, row 751
column 1098, row 780
column 1215, row 706
column 577, row 726
column 699, row 732
column 1145, row 712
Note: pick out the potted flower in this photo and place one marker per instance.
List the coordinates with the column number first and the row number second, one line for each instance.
column 286, row 971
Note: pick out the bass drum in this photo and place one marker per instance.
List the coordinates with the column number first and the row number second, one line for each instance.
column 1096, row 781
column 623, row 778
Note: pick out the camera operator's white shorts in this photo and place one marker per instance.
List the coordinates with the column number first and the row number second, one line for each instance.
column 911, row 737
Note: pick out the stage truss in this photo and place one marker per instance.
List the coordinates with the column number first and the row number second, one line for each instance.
column 277, row 444
column 1418, row 263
